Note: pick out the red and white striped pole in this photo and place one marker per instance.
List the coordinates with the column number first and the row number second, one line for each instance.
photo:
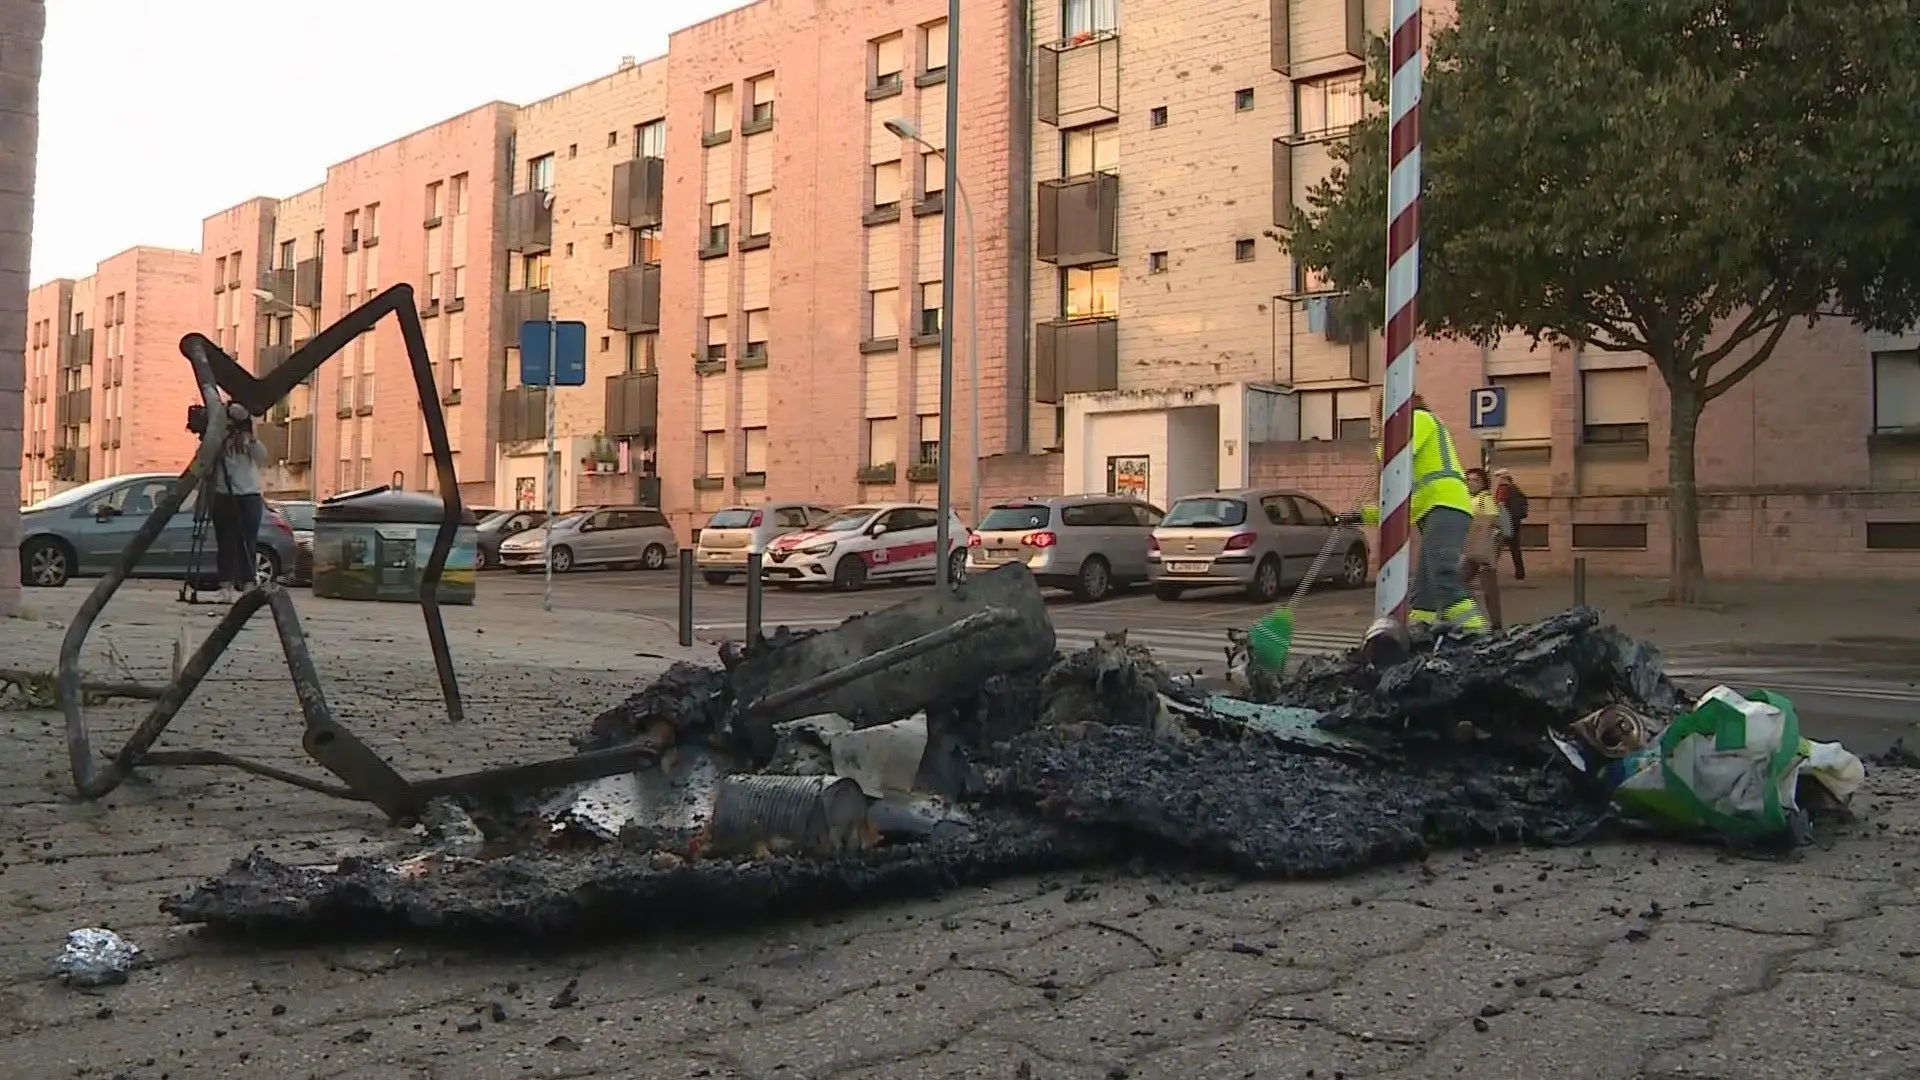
column 1403, row 306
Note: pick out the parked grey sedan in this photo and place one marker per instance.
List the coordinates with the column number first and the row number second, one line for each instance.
column 80, row 531
column 1255, row 539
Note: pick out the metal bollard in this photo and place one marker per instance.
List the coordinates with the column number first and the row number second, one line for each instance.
column 756, row 598
column 686, row 598
column 1579, row 582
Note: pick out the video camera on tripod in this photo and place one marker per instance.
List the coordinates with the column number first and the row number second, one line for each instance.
column 236, row 412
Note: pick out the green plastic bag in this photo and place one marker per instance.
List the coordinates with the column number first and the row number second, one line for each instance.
column 1732, row 764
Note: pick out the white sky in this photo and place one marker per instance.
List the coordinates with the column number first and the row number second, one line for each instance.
column 157, row 113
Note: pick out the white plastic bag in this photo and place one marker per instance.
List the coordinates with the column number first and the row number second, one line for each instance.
column 1731, row 764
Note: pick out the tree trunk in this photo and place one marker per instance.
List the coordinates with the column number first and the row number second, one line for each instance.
column 1686, row 570
column 23, row 24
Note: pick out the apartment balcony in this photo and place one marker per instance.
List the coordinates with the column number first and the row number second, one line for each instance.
column 1079, row 220
column 1075, row 356
column 633, row 299
column 270, row 357
column 637, row 185
column 525, row 305
column 70, row 463
column 279, row 283
column 523, row 414
column 529, row 223
column 633, row 404
column 76, row 350
column 274, row 438
column 72, row 408
column 1077, row 80
column 306, row 282
column 1321, row 340
column 300, row 441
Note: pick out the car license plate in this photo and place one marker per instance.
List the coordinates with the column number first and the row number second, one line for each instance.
column 1001, row 555
column 1186, row 568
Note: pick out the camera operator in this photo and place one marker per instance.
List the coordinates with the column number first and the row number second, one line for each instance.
column 237, row 505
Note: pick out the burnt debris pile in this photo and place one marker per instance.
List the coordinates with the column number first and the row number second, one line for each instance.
column 944, row 741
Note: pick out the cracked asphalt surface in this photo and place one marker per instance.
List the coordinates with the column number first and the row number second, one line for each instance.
column 1635, row 962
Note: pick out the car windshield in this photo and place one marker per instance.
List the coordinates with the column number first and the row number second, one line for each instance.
column 298, row 515
column 1204, row 513
column 493, row 520
column 1011, row 517
column 846, row 520
column 561, row 521
column 734, row 517
column 78, row 496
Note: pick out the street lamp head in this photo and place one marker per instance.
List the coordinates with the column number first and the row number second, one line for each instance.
column 904, row 128
column 263, row 295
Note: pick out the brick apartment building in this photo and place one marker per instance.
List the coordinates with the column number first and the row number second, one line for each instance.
column 1134, row 329
column 107, row 388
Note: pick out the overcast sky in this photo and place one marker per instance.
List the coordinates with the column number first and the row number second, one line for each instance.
column 156, row 113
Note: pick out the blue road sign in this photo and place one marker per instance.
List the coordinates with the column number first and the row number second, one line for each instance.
column 1487, row 407
column 569, row 340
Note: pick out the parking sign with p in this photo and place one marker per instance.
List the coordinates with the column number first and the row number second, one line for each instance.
column 1487, row 410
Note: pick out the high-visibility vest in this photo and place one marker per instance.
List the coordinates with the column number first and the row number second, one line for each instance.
column 1438, row 479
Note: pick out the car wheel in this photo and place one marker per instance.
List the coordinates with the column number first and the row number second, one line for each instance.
column 266, row 565
column 653, row 558
column 1265, row 587
column 1167, row 592
column 1353, row 569
column 1095, row 580
column 716, row 579
column 957, row 568
column 480, row 559
column 562, row 559
column 849, row 574
column 46, row 563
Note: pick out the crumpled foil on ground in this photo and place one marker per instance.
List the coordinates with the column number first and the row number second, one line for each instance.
column 1080, row 766
column 94, row 956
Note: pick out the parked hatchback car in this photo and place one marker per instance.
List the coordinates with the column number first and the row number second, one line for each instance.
column 494, row 529
column 732, row 532
column 611, row 536
column 870, row 542
column 1256, row 539
column 81, row 531
column 1090, row 544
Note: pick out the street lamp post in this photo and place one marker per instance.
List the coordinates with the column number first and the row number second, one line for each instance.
column 906, row 129
column 272, row 301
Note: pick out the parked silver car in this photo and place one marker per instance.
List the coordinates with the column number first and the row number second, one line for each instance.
column 613, row 536
column 1256, row 539
column 720, row 551
column 1090, row 544
column 80, row 531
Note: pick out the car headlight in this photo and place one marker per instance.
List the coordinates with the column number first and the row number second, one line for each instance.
column 819, row 551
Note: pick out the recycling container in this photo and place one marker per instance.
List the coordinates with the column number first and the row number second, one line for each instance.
column 373, row 545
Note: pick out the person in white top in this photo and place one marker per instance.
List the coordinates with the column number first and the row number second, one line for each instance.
column 237, row 505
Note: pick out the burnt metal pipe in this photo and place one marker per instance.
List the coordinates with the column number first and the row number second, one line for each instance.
column 686, row 598
column 886, row 658
column 756, row 598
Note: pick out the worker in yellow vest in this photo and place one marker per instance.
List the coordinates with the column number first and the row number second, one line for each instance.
column 1442, row 511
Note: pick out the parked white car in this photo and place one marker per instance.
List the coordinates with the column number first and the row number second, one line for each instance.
column 872, row 542
column 720, row 551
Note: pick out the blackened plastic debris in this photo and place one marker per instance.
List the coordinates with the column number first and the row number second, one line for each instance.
column 695, row 697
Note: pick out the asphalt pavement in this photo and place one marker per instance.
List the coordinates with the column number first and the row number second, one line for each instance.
column 1866, row 706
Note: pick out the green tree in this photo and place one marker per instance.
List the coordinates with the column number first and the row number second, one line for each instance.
column 1678, row 178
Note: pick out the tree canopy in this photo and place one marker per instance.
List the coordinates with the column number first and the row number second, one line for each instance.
column 1678, row 178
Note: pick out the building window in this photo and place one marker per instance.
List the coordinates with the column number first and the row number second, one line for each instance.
column 716, row 331
column 353, row 226
column 713, row 453
column 1328, row 106
column 220, row 272
column 1156, row 262
column 436, row 200
column 762, row 98
column 1157, row 116
column 760, row 214
column 930, row 297
column 433, row 286
column 1614, row 406
column 650, row 139
column 1243, row 99
column 536, row 271
column 643, row 246
column 1087, row 17
column 457, row 194
column 927, row 448
column 459, row 282
column 1091, row 149
column 1345, row 415
column 754, row 441
column 540, row 173
column 883, row 314
column 886, row 185
column 289, row 254
column 933, row 47
column 1309, row 280
column 720, row 111
column 1896, row 391
column 1243, row 250
column 719, row 218
column 642, row 352
column 759, row 323
column 933, row 173
column 1089, row 292
column 885, row 56
column 882, row 445
column 372, row 222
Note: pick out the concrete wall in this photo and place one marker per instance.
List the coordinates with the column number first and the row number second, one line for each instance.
column 23, row 24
